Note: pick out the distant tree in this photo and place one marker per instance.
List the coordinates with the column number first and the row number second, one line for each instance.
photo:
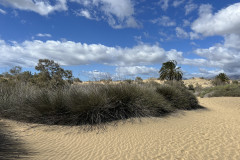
column 170, row 71
column 16, row 70
column 25, row 76
column 220, row 79
column 51, row 72
column 138, row 79
column 223, row 77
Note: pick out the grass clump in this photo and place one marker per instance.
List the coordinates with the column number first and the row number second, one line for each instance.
column 178, row 96
column 91, row 103
column 229, row 90
column 97, row 103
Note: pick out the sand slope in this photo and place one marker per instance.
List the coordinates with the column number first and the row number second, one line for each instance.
column 200, row 134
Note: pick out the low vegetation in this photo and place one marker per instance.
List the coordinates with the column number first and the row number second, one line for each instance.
column 92, row 103
column 228, row 90
column 51, row 97
column 221, row 88
column 220, row 79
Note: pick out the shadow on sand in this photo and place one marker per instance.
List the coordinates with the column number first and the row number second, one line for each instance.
column 11, row 147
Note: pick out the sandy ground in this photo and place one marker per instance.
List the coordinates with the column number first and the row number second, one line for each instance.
column 213, row 133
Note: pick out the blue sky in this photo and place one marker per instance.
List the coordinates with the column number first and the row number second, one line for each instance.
column 122, row 39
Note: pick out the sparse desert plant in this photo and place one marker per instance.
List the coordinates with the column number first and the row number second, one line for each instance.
column 190, row 87
column 198, row 87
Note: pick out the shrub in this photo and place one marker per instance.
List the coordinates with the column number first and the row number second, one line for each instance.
column 92, row 103
column 175, row 84
column 229, row 90
column 235, row 82
column 220, row 79
column 138, row 79
column 129, row 81
column 190, row 87
column 77, row 80
column 178, row 96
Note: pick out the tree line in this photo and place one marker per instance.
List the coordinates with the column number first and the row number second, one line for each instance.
column 51, row 74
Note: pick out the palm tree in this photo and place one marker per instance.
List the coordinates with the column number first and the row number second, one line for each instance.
column 170, row 71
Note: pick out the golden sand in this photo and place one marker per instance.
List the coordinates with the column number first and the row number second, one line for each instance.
column 213, row 133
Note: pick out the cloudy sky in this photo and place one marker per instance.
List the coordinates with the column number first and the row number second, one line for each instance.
column 122, row 39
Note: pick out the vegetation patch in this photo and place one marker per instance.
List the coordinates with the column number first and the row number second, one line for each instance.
column 51, row 97
column 229, row 90
column 92, row 103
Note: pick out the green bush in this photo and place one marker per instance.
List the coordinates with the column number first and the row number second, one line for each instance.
column 128, row 81
column 235, row 82
column 92, row 103
column 178, row 96
column 190, row 87
column 229, row 90
column 220, row 79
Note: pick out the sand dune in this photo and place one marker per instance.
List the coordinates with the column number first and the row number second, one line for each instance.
column 202, row 134
column 193, row 81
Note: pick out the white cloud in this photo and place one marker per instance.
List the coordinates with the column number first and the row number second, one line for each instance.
column 2, row 11
column 41, row 7
column 27, row 53
column 164, row 4
column 177, row 3
column 98, row 75
column 181, row 33
column 205, row 73
column 44, row 35
column 136, row 70
column 190, row 7
column 186, row 23
column 232, row 41
column 164, row 21
column 129, row 61
column 225, row 21
column 119, row 14
column 223, row 56
column 194, row 35
column 84, row 13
